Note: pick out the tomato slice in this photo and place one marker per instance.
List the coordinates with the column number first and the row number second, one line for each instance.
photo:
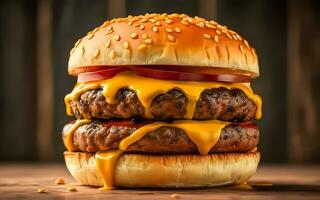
column 188, row 76
column 157, row 73
column 99, row 75
column 91, row 69
column 179, row 68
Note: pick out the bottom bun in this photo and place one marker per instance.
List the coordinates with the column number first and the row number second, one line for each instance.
column 170, row 171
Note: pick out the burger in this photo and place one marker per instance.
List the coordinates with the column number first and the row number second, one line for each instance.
column 163, row 101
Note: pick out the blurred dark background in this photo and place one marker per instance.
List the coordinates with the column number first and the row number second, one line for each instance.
column 36, row 37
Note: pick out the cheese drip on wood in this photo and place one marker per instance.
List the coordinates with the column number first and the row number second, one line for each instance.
column 204, row 134
column 147, row 89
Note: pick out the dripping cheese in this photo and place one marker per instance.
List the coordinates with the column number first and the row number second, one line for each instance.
column 147, row 89
column 69, row 135
column 204, row 134
column 105, row 163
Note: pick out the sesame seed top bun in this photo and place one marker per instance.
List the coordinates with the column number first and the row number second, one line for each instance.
column 164, row 39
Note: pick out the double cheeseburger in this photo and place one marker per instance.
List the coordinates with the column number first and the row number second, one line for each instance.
column 162, row 101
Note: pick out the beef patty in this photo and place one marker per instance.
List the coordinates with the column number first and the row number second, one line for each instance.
column 99, row 136
column 218, row 103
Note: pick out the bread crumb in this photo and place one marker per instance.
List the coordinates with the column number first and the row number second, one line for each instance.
column 72, row 189
column 41, row 190
column 59, row 181
column 174, row 196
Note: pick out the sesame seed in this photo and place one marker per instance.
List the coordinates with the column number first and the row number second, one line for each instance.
column 168, row 21
column 246, row 43
column 96, row 53
column 126, row 45
column 201, row 25
column 228, row 35
column 241, row 48
column 216, row 38
column 223, row 27
column 142, row 47
column 90, row 36
column 209, row 26
column 238, row 36
column 134, row 35
column 59, row 181
column 154, row 29
column 206, row 36
column 113, row 54
column 106, row 23
column 183, row 15
column 141, row 27
column 95, row 30
column 72, row 51
column 158, row 23
column 213, row 22
column 171, row 38
column 199, row 18
column 253, row 51
column 152, row 20
column 148, row 41
column 108, row 44
column 174, row 196
column 177, row 29
column 130, row 23
column 109, row 31
column 234, row 37
column 40, row 190
column 116, row 37
column 136, row 25
column 184, row 22
column 190, row 20
column 71, row 189
column 144, row 36
column 109, row 28
column 144, row 20
column 77, row 43
column 218, row 32
column 169, row 30
column 82, row 50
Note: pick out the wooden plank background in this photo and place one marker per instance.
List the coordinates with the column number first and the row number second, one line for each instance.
column 36, row 37
column 18, row 80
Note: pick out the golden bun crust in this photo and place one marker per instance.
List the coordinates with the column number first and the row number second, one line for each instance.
column 162, row 39
column 172, row 171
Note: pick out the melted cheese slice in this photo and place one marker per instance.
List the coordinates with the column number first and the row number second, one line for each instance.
column 147, row 89
column 204, row 134
column 69, row 135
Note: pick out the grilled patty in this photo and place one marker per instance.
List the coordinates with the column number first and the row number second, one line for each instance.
column 98, row 136
column 219, row 103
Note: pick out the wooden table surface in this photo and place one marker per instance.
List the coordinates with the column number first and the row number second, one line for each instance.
column 21, row 181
